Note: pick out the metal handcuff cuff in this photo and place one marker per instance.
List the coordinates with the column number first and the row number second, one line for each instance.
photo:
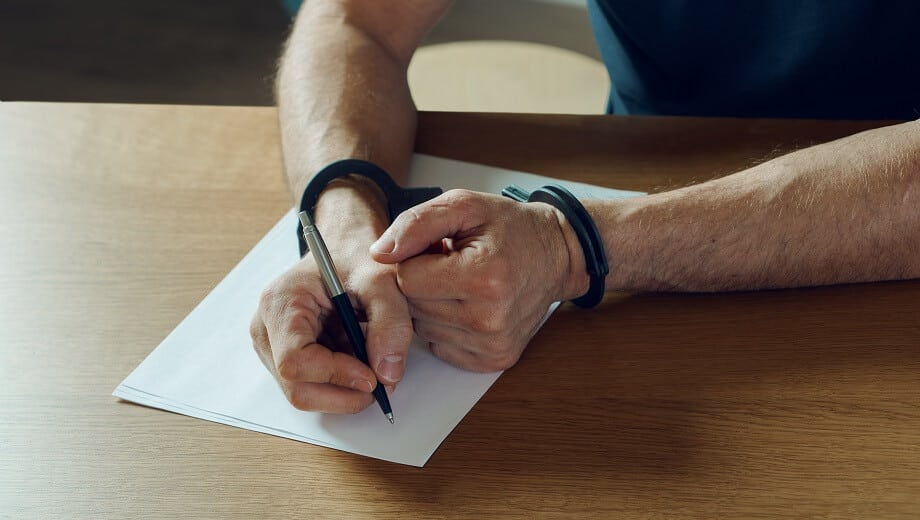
column 588, row 236
column 400, row 199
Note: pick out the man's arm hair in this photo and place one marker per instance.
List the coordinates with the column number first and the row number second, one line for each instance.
column 342, row 90
column 844, row 211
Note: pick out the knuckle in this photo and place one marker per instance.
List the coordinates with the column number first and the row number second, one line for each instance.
column 312, row 362
column 287, row 368
column 492, row 319
column 256, row 330
column 267, row 296
column 423, row 331
column 490, row 366
column 501, row 355
column 496, row 349
column 299, row 400
column 489, row 322
column 440, row 351
column 501, row 349
column 292, row 286
column 303, row 403
column 461, row 199
column 504, row 362
column 412, row 216
column 495, row 284
column 358, row 405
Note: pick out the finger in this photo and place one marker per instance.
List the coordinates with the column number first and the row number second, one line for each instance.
column 291, row 321
column 260, row 343
column 389, row 331
column 325, row 398
column 464, row 349
column 315, row 363
column 291, row 326
column 479, row 318
column 443, row 312
column 450, row 344
column 439, row 333
column 434, row 277
column 415, row 229
column 333, row 336
column 460, row 358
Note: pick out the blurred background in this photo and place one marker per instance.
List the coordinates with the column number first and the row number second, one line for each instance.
column 493, row 55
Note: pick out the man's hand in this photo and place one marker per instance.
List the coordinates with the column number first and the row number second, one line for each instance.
column 299, row 338
column 342, row 93
column 479, row 304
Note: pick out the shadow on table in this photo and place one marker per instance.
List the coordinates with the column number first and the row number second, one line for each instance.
column 684, row 387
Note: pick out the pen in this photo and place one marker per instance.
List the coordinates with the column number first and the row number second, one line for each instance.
column 342, row 304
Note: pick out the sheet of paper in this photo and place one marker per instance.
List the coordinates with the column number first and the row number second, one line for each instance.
column 206, row 367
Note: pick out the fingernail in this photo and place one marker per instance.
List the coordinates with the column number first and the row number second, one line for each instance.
column 391, row 368
column 384, row 245
column 362, row 385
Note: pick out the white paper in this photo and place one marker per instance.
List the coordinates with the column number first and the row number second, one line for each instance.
column 207, row 368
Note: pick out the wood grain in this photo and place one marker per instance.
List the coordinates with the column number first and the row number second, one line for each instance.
column 117, row 220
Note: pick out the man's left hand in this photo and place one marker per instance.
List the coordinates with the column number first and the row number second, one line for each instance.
column 479, row 303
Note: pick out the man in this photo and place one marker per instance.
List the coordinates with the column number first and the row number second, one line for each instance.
column 846, row 211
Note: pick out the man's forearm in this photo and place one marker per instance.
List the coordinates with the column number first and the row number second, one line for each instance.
column 845, row 211
column 342, row 89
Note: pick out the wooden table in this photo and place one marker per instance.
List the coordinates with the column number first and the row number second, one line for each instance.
column 117, row 220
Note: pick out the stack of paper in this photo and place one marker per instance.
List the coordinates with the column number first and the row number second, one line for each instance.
column 207, row 368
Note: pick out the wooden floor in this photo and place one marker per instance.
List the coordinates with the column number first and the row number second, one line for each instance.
column 206, row 52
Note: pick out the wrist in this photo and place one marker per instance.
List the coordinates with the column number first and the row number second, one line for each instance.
column 363, row 206
column 618, row 234
column 575, row 280
column 351, row 209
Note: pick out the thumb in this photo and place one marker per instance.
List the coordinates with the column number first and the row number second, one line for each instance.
column 389, row 331
column 415, row 229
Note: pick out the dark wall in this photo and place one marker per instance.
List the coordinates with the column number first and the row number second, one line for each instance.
column 145, row 51
column 207, row 51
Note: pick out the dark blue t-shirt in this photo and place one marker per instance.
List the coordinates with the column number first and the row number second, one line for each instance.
column 856, row 59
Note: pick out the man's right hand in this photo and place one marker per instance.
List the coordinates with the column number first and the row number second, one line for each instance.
column 295, row 330
column 342, row 92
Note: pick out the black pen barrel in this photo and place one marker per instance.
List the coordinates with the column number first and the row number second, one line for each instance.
column 353, row 330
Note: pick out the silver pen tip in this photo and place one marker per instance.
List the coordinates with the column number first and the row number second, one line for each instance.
column 305, row 219
column 390, row 417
